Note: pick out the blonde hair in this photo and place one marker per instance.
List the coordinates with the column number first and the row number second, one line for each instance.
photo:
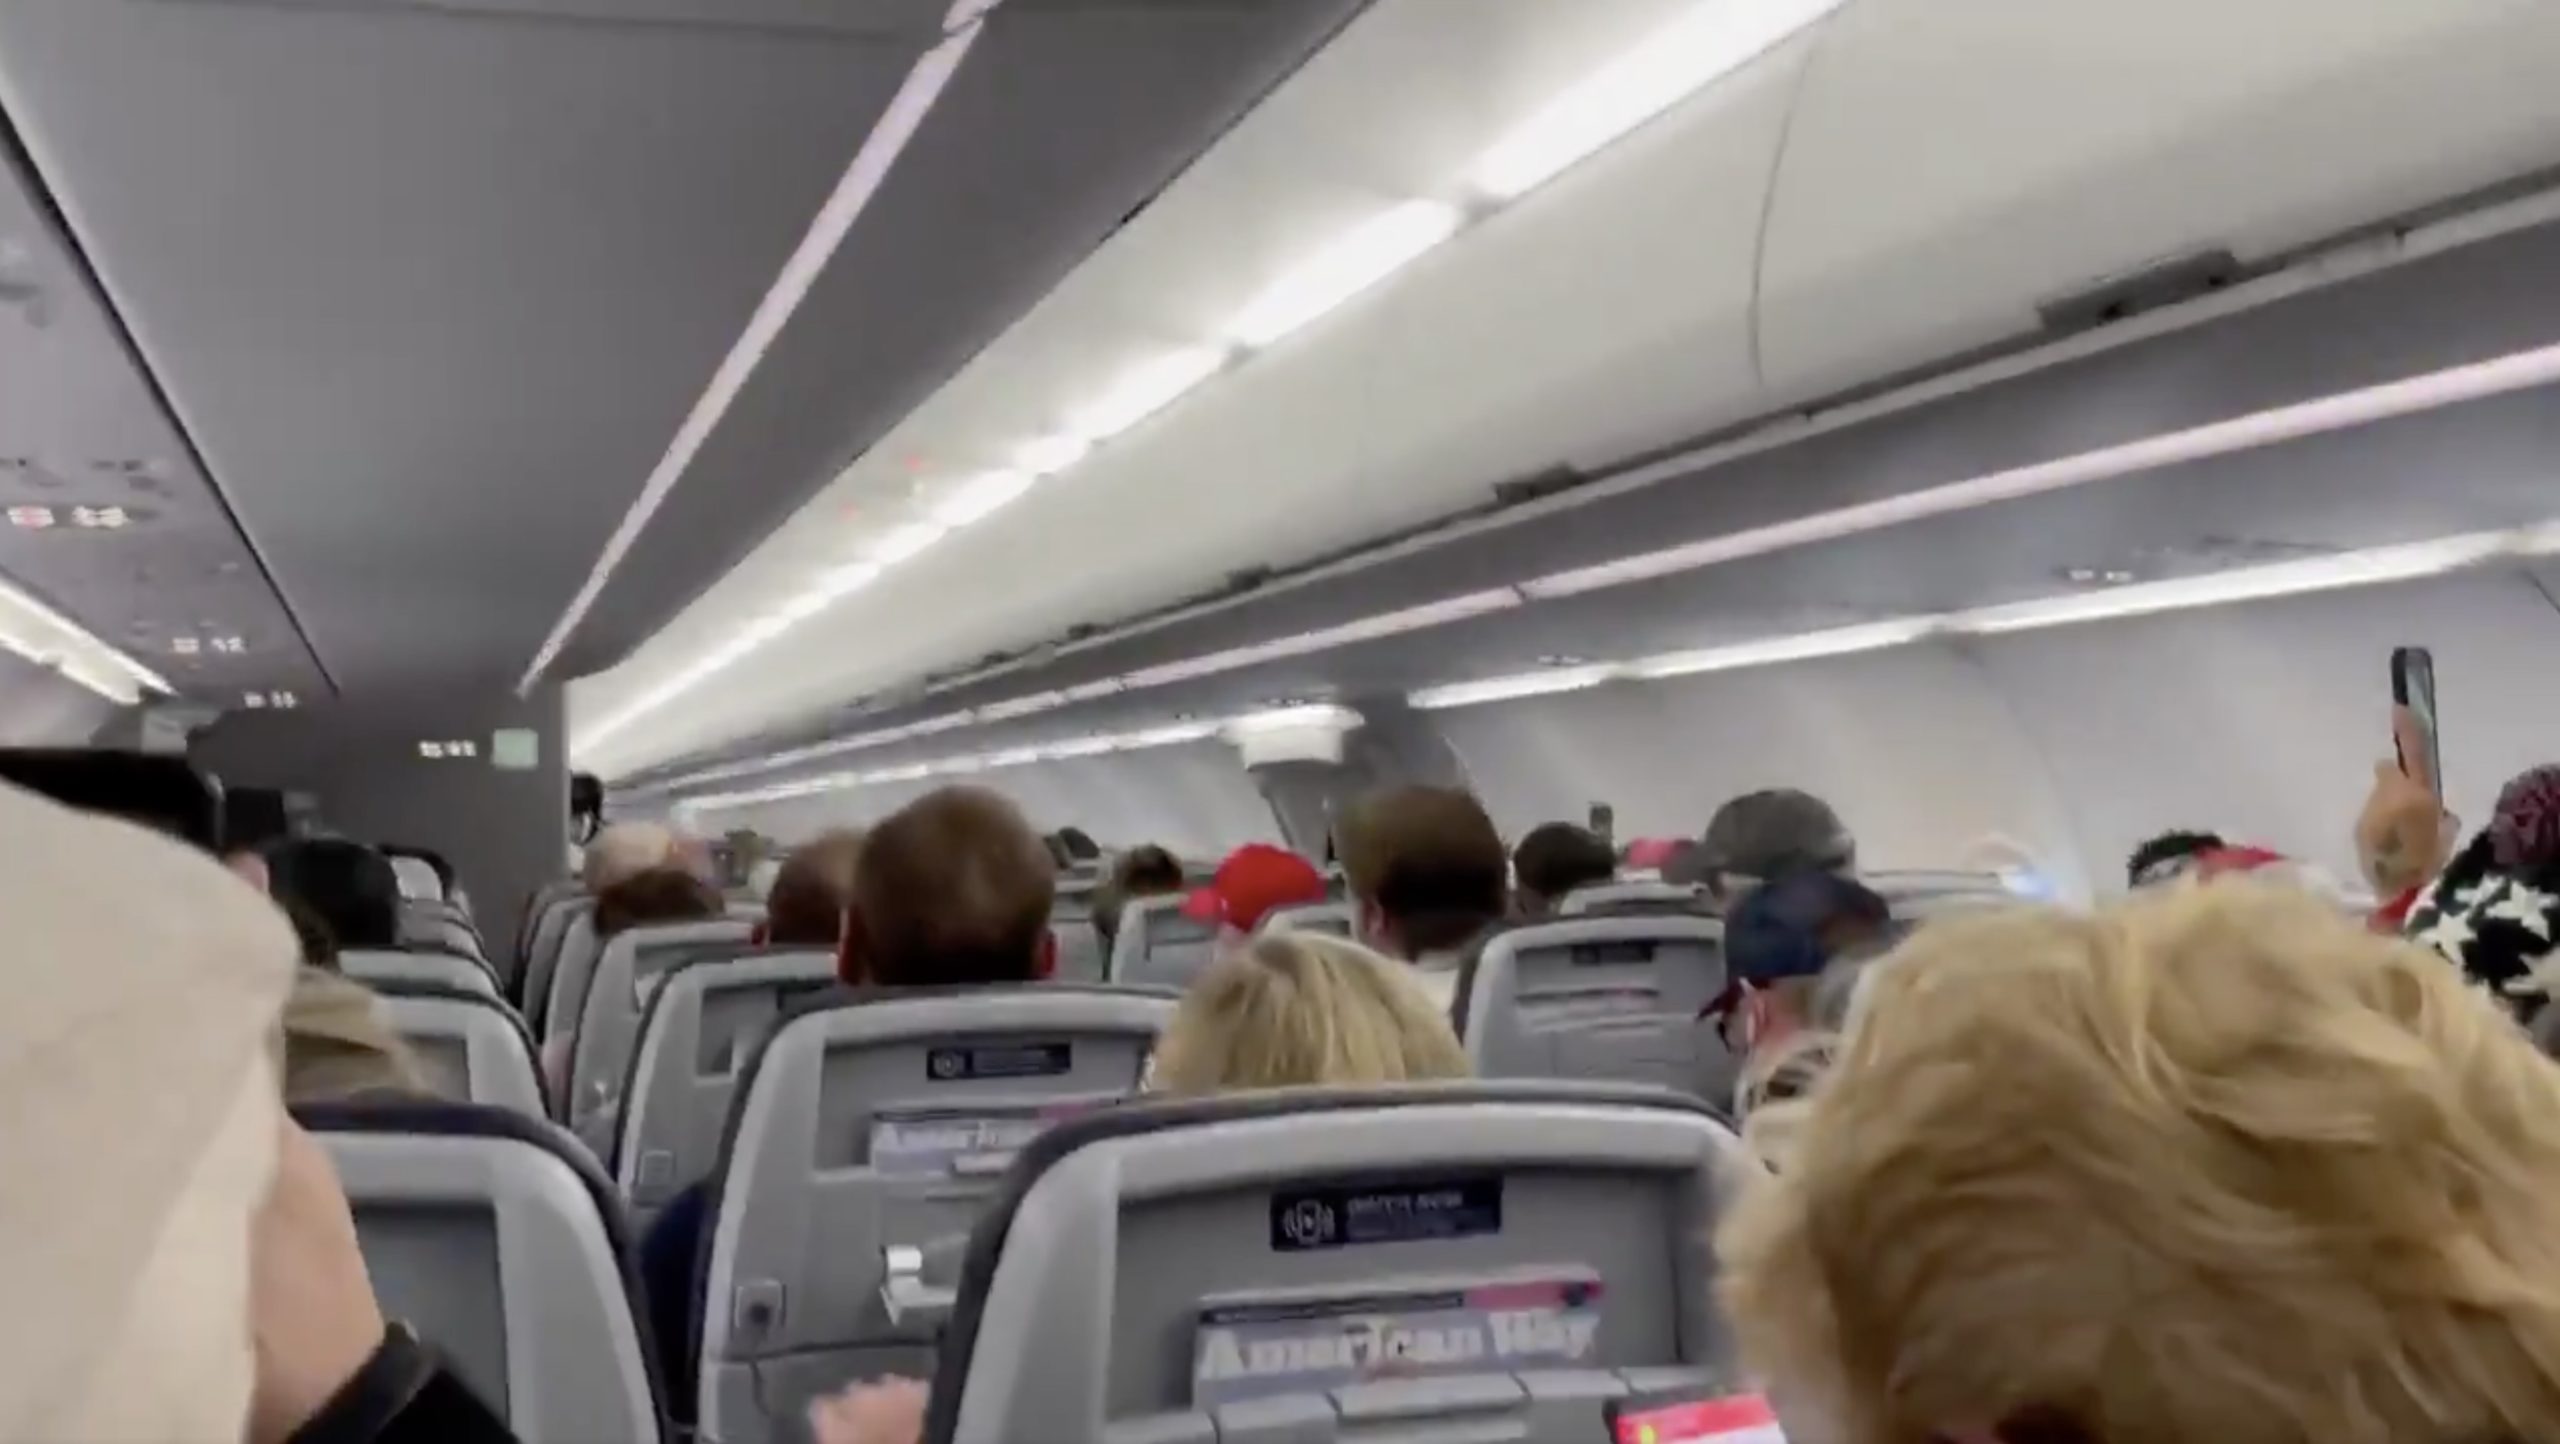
column 627, row 849
column 2212, row 1164
column 1291, row 1009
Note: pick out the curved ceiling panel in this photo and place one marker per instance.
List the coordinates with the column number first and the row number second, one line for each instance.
column 430, row 285
column 1064, row 118
column 1605, row 314
column 1953, row 166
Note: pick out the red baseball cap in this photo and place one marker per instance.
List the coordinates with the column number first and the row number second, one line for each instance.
column 1255, row 879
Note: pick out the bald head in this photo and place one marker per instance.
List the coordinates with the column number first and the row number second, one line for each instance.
column 953, row 888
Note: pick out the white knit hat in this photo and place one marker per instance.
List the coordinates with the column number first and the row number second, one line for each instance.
column 139, row 989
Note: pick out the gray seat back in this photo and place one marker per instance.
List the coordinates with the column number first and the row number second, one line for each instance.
column 1602, row 997
column 627, row 971
column 695, row 1035
column 1917, row 897
column 1333, row 919
column 1606, row 896
column 1080, row 958
column 473, row 1048
column 417, row 877
column 1157, row 947
column 546, row 921
column 871, row 1125
column 1395, row 1266
column 487, row 1234
column 390, row 969
column 436, row 925
column 547, row 980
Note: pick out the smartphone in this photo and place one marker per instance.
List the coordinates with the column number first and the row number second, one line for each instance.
column 2413, row 685
column 1603, row 822
column 157, row 791
column 1699, row 1418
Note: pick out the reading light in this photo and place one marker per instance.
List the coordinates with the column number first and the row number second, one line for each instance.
column 1711, row 41
column 1356, row 260
column 1146, row 390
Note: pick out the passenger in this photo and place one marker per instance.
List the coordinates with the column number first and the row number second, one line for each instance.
column 1429, row 875
column 1554, row 859
column 658, row 895
column 953, row 888
column 336, row 1045
column 182, row 1262
column 665, row 894
column 1761, row 836
column 807, row 903
column 1143, row 871
column 2496, row 909
column 1297, row 1009
column 348, row 885
column 1792, row 951
column 1286, row 1010
column 1253, row 882
column 2169, row 857
column 2216, row 1163
column 626, row 848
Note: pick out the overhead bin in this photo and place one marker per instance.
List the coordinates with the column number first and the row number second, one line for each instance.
column 1609, row 311
column 1954, row 164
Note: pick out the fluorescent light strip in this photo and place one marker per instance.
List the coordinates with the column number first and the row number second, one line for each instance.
column 1145, row 390
column 965, row 764
column 1356, row 260
column 981, row 497
column 1719, row 36
column 1712, row 41
column 49, row 639
column 2376, row 566
column 2522, row 371
column 861, row 180
column 905, row 542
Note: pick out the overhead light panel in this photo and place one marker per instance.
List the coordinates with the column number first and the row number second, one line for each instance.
column 1712, row 40
column 1356, row 260
column 981, row 496
column 2479, row 381
column 844, row 581
column 47, row 638
column 1146, row 390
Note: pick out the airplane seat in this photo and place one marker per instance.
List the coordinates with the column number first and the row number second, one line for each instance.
column 474, row 1047
column 702, row 1022
column 419, row 880
column 435, row 925
column 1433, row 1262
column 575, row 936
column 864, row 1138
column 382, row 968
column 544, row 909
column 492, row 1236
column 608, row 1016
column 1634, row 895
column 1157, row 947
column 1600, row 997
column 1915, row 897
column 1080, row 957
column 1333, row 919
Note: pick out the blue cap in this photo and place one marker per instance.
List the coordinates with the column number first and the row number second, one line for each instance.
column 1776, row 932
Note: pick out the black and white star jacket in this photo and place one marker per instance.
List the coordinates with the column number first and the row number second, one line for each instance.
column 2502, row 928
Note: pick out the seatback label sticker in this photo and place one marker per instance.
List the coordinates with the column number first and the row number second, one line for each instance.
column 1305, row 1220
